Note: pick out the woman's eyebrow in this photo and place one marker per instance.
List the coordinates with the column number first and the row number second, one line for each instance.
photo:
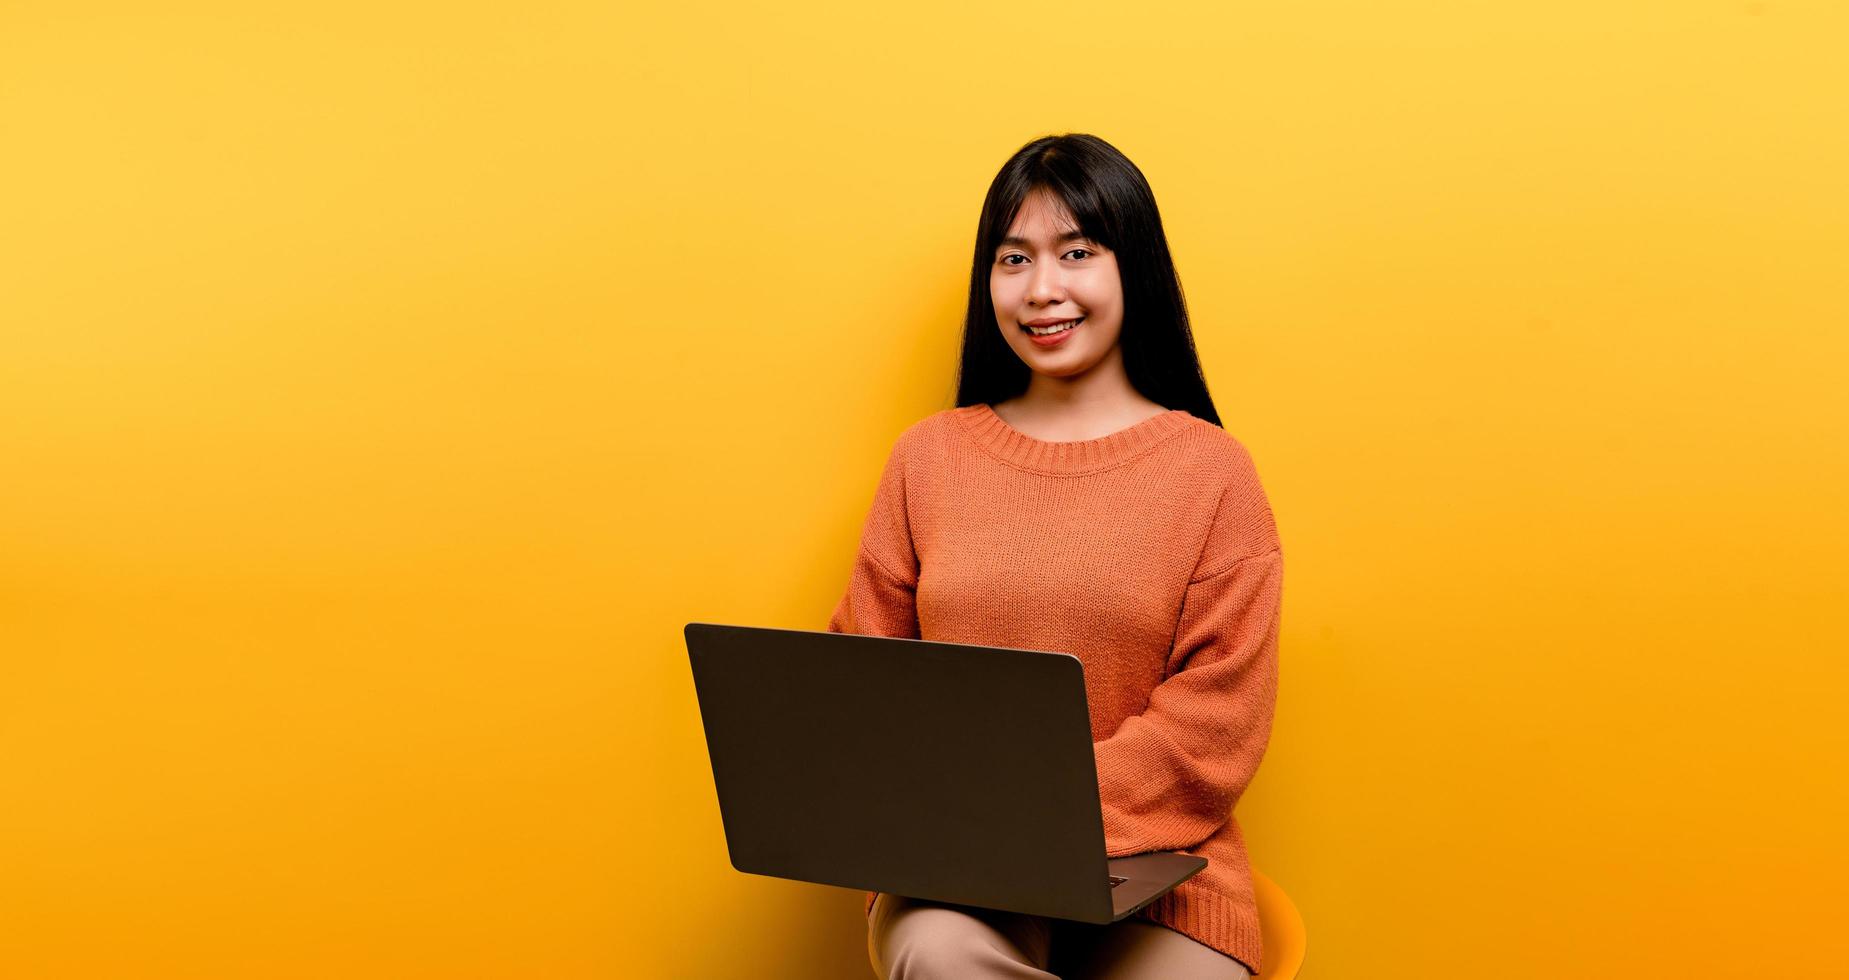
column 1067, row 237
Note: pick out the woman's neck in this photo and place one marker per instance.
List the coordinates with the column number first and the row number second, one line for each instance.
column 1064, row 413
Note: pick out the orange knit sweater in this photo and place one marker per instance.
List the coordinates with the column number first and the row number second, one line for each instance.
column 1152, row 556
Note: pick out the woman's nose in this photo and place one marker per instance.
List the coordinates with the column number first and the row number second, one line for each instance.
column 1045, row 285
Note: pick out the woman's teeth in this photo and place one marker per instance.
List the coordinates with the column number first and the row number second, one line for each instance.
column 1055, row 328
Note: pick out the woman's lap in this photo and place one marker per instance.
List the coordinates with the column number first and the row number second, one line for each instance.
column 908, row 939
column 912, row 940
column 1135, row 949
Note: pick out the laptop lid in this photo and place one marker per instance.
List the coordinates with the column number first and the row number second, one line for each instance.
column 943, row 771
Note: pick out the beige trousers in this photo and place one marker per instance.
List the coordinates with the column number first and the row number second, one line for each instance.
column 909, row 939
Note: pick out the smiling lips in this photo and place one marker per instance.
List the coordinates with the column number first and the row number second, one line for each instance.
column 1053, row 333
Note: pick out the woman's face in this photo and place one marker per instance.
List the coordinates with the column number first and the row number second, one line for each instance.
column 1046, row 271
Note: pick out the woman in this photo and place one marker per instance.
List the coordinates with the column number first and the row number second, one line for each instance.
column 1082, row 497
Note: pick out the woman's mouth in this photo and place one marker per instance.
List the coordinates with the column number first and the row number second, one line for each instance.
column 1052, row 335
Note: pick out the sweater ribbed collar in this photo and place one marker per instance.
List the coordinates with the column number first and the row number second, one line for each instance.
column 1012, row 446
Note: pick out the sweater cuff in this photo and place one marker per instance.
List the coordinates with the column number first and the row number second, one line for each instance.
column 1211, row 920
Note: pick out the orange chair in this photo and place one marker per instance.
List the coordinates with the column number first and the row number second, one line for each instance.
column 1281, row 925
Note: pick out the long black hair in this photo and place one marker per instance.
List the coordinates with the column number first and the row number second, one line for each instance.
column 1112, row 202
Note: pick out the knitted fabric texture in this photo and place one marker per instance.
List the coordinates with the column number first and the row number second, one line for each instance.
column 1150, row 554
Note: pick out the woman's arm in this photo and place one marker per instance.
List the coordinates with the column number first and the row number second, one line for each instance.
column 1169, row 777
column 882, row 588
column 881, row 596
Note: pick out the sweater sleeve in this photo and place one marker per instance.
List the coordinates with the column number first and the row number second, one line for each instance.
column 1169, row 777
column 882, row 586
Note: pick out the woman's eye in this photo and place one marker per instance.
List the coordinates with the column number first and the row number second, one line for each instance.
column 1023, row 258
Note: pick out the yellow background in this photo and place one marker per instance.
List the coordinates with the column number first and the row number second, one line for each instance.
column 383, row 386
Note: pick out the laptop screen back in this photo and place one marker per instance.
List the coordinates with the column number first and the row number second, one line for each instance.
column 943, row 771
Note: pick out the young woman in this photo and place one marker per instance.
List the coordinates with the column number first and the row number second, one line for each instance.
column 1083, row 497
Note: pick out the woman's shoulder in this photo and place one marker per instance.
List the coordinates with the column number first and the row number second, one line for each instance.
column 1213, row 448
column 932, row 431
column 1243, row 520
column 920, row 440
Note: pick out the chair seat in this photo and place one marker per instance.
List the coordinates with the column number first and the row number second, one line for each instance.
column 1281, row 926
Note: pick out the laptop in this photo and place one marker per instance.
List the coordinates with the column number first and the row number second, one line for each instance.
column 950, row 772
